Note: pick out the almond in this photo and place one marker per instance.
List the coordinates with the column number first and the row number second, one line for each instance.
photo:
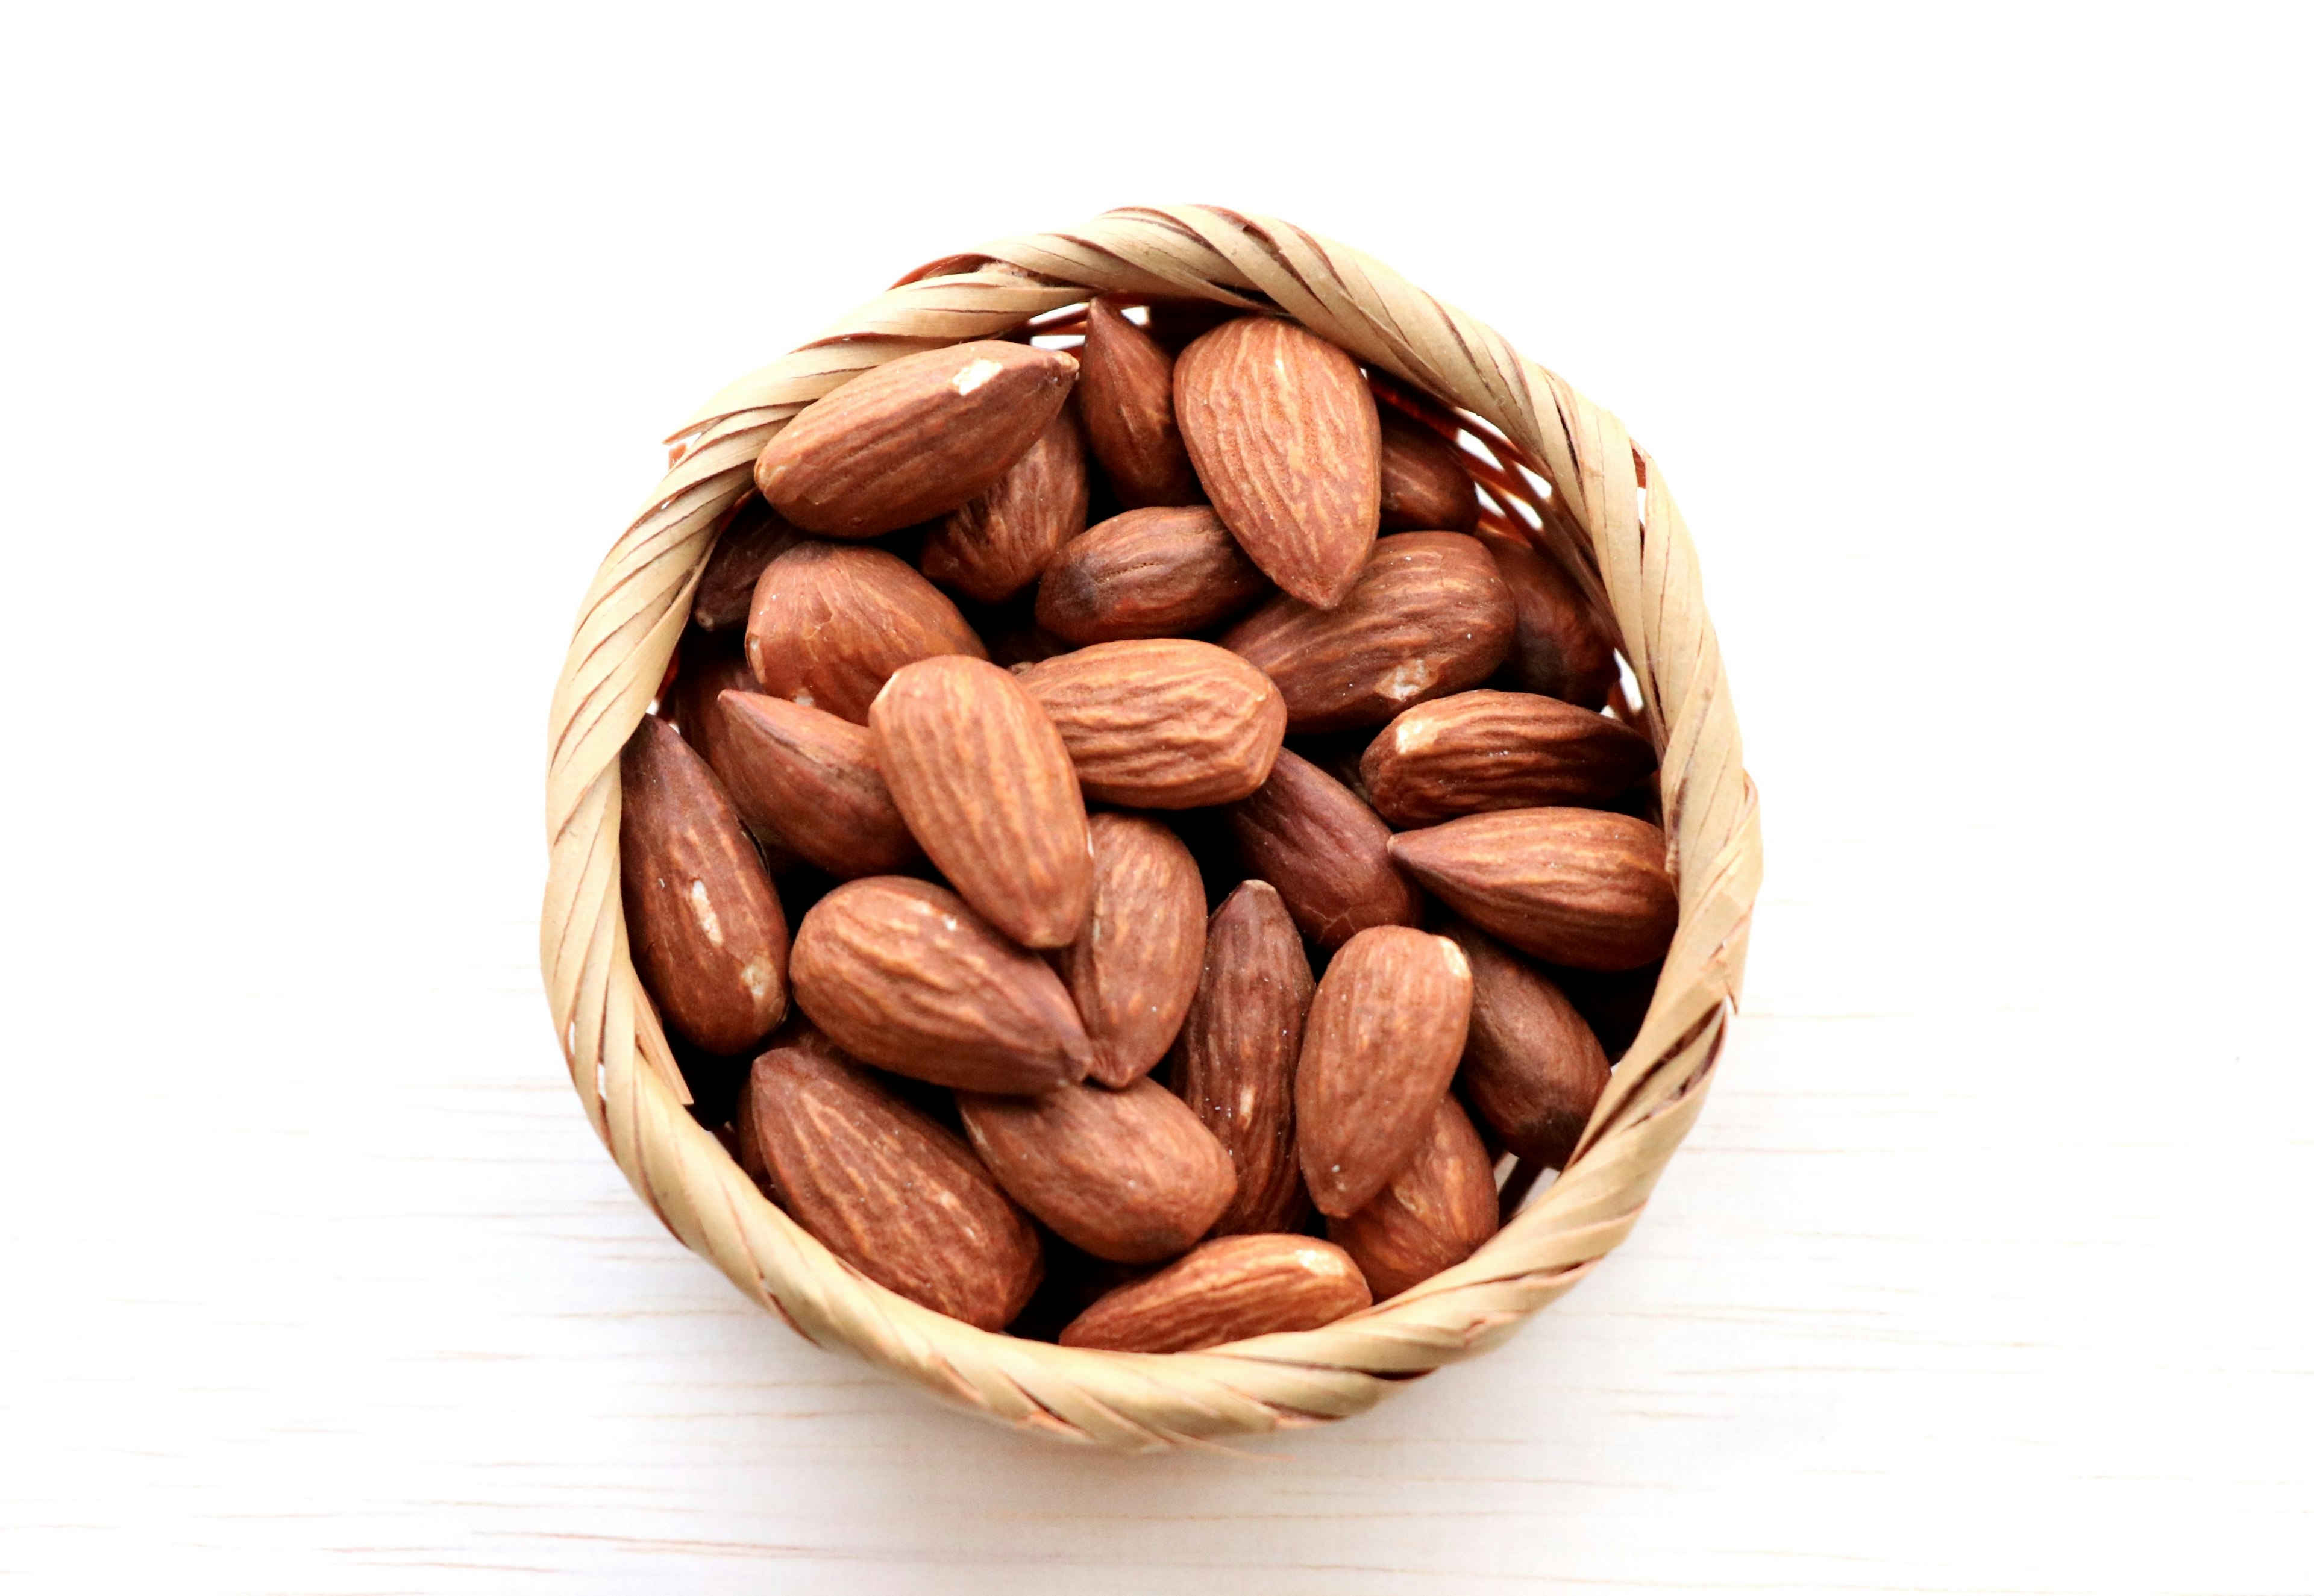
column 755, row 536
column 1531, row 1069
column 1126, row 389
column 1283, row 432
column 1233, row 1060
column 814, row 778
column 1614, row 1003
column 1425, row 487
column 1227, row 1290
column 903, row 973
column 1162, row 723
column 1327, row 854
column 1129, row 1175
column 1487, row 750
column 1133, row 968
column 830, row 625
column 993, row 546
column 1435, row 1212
column 712, row 665
column 1576, row 886
column 891, row 1192
column 1147, row 574
column 705, row 926
column 913, row 438
column 985, row 781
column 1557, row 651
column 1385, row 1030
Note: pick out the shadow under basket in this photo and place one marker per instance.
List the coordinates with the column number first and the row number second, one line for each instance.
column 1552, row 467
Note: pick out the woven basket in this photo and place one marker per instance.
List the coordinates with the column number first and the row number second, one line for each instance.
column 1607, row 516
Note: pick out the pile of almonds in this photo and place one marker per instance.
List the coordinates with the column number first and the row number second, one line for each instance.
column 1257, row 849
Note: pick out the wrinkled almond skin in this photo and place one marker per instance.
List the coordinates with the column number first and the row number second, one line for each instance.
column 813, row 778
column 1385, row 1032
column 1429, row 615
column 993, row 546
column 1531, row 1069
column 1423, row 487
column 1225, row 1291
column 1125, row 387
column 830, row 624
column 1156, row 573
column 1327, row 853
column 892, row 1193
column 914, row 438
column 708, row 936
column 1161, row 723
column 1582, row 887
column 1234, row 1062
column 1485, row 750
column 755, row 537
column 1435, row 1212
column 984, row 782
column 1128, row 1175
column 1556, row 651
column 902, row 973
column 1133, row 968
column 1283, row 432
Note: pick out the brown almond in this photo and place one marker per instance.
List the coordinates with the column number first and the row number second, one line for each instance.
column 1386, row 1029
column 985, row 781
column 891, row 1192
column 1282, row 429
column 712, row 665
column 1485, row 750
column 1531, row 1069
column 1161, row 723
column 1129, row 1175
column 705, row 926
column 1576, row 886
column 1428, row 616
column 813, row 778
column 1233, row 1060
column 1557, row 651
column 1133, row 968
column 914, row 438
column 1227, row 1290
column 1127, row 389
column 902, row 973
column 1435, row 1212
column 753, row 538
column 992, row 547
column 1327, row 853
column 832, row 623
column 1156, row 573
column 1425, row 487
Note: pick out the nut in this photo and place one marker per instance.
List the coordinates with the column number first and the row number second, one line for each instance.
column 1531, row 1069
column 1164, row 723
column 1425, row 487
column 1147, row 574
column 1557, row 651
column 1126, row 389
column 1435, row 1212
column 1133, row 968
column 754, row 537
column 814, row 779
column 1225, row 1291
column 993, row 546
column 831, row 623
column 1576, row 886
column 1487, row 750
column 1327, row 853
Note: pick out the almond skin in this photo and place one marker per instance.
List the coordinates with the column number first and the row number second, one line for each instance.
column 830, row 624
column 1284, row 435
column 1582, row 887
column 993, row 546
column 1162, row 723
column 1234, row 1062
column 913, row 438
column 710, row 667
column 1327, row 853
column 1133, row 968
column 1429, row 615
column 1435, row 1212
column 1531, row 1069
column 709, row 939
column 1128, row 1175
column 894, row 1193
column 1424, row 486
column 753, row 538
column 813, row 778
column 1386, row 1029
column 1487, row 750
column 1125, row 387
column 1227, row 1290
column 902, row 973
column 1147, row 574
column 1556, row 652
column 985, row 784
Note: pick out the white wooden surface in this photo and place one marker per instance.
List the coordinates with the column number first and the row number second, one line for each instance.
column 1974, row 347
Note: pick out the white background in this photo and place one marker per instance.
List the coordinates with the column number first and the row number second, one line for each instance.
column 338, row 344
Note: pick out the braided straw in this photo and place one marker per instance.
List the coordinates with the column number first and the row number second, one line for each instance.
column 1563, row 474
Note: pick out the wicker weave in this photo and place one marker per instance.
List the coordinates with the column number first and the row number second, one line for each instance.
column 1606, row 514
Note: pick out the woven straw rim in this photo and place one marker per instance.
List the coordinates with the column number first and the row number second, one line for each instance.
column 1606, row 514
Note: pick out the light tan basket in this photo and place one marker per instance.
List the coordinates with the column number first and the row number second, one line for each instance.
column 1606, row 513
